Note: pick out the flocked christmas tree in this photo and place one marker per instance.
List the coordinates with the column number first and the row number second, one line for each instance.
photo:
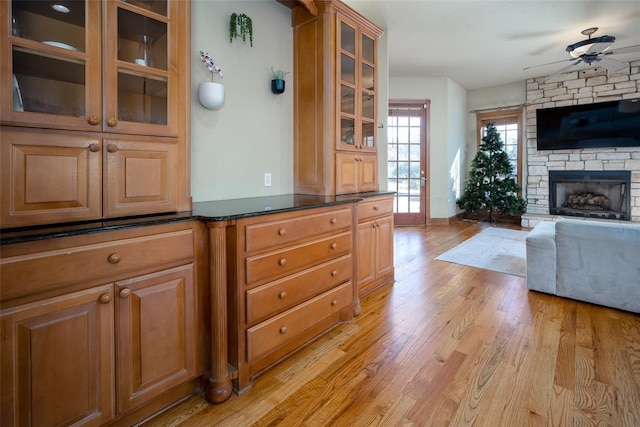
column 491, row 186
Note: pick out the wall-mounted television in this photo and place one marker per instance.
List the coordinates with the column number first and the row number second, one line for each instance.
column 602, row 124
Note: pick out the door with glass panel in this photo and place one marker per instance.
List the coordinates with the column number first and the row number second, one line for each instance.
column 407, row 161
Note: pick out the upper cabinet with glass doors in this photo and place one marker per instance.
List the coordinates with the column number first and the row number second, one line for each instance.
column 356, row 61
column 105, row 66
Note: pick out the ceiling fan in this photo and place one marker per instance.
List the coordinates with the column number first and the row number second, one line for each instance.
column 593, row 51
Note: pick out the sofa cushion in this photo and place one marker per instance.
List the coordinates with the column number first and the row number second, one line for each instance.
column 599, row 262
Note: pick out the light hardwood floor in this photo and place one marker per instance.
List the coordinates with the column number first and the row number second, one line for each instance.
column 448, row 345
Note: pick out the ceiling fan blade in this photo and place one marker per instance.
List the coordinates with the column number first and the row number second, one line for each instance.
column 548, row 63
column 567, row 69
column 613, row 65
column 626, row 49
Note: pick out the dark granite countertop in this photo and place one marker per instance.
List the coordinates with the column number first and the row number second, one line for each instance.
column 219, row 210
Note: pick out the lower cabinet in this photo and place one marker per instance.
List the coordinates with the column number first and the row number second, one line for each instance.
column 58, row 360
column 292, row 280
column 375, row 243
column 98, row 354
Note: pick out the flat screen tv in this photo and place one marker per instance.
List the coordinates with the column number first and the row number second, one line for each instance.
column 603, row 124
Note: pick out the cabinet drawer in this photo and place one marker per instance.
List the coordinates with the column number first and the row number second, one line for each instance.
column 372, row 208
column 22, row 275
column 273, row 265
column 285, row 293
column 266, row 235
column 269, row 335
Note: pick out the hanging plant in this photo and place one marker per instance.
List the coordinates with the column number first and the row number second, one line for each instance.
column 240, row 26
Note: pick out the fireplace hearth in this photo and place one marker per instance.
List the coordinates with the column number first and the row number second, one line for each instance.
column 590, row 194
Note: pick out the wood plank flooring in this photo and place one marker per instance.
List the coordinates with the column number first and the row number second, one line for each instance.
column 448, row 345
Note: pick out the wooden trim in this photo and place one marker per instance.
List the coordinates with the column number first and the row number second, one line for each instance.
column 220, row 387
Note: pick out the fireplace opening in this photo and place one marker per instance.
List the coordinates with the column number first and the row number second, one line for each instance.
column 590, row 194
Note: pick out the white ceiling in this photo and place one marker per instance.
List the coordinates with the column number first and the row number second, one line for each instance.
column 483, row 43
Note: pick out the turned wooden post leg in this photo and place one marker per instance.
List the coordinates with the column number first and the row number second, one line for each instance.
column 220, row 387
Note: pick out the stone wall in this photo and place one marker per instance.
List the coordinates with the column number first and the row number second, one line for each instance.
column 579, row 87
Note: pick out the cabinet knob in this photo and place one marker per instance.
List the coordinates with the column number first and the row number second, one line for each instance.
column 105, row 298
column 334, row 220
column 282, row 232
column 334, row 303
column 282, row 261
column 112, row 122
column 93, row 120
column 334, row 273
column 375, row 208
column 334, row 245
column 124, row 293
column 94, row 147
column 112, row 148
column 283, row 329
column 114, row 259
column 282, row 294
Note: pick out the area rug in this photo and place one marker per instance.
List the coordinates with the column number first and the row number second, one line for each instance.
column 496, row 249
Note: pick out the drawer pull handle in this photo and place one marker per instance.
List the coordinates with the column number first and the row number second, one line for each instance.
column 112, row 122
column 124, row 293
column 94, row 148
column 93, row 120
column 282, row 232
column 334, row 273
column 105, row 298
column 334, row 245
column 114, row 258
column 282, row 261
column 334, row 303
column 112, row 148
column 282, row 294
column 334, row 220
column 283, row 329
column 375, row 208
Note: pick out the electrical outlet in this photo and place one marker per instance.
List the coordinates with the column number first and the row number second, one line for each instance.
column 267, row 179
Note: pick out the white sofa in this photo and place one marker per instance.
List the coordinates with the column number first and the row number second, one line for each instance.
column 592, row 261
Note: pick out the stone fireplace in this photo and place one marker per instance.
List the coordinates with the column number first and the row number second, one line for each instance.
column 590, row 194
column 580, row 87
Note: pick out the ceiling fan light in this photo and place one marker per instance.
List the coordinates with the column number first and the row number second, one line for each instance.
column 590, row 46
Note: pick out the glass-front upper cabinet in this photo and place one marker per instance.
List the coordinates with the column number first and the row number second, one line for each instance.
column 51, row 58
column 356, row 75
column 59, row 51
column 141, row 80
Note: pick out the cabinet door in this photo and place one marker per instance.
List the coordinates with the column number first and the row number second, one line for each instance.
column 384, row 246
column 140, row 178
column 157, row 332
column 346, row 173
column 57, row 360
column 366, row 252
column 48, row 178
column 51, row 64
column 367, row 172
column 368, row 113
column 347, row 62
column 141, row 66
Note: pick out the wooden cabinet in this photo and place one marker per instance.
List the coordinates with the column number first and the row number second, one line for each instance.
column 55, row 177
column 58, row 359
column 109, row 81
column 95, row 328
column 291, row 280
column 375, row 243
column 335, row 107
column 356, row 172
